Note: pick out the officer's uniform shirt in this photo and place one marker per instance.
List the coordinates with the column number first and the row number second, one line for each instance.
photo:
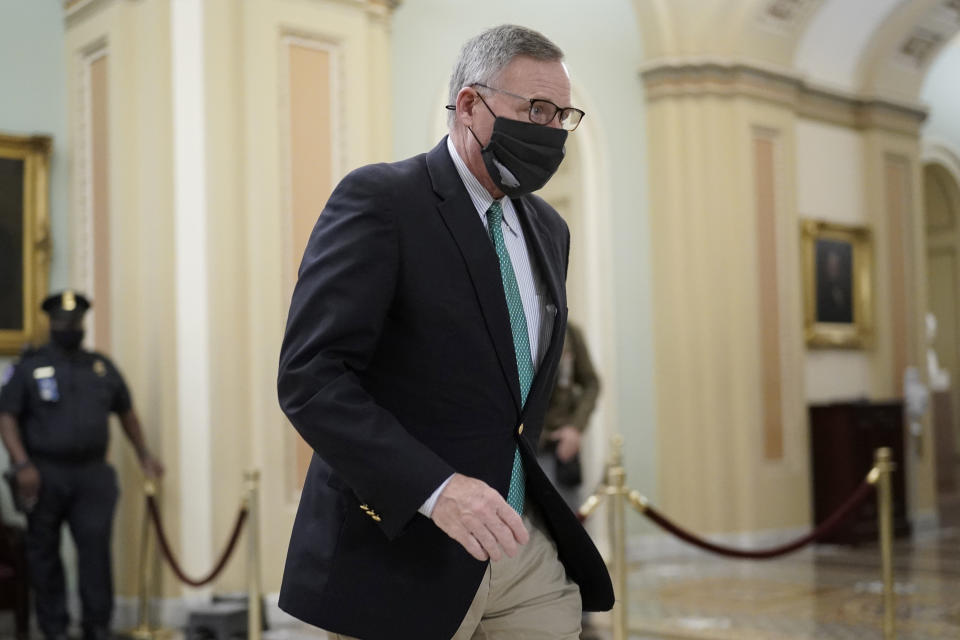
column 62, row 402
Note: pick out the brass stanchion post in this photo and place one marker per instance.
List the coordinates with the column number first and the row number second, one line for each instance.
column 143, row 630
column 616, row 489
column 885, row 466
column 254, row 613
column 591, row 504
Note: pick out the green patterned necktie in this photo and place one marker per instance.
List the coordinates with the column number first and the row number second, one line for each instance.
column 521, row 341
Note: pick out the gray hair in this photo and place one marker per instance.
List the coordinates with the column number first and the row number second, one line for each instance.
column 485, row 55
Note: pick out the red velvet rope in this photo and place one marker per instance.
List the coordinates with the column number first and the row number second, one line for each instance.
column 168, row 554
column 826, row 527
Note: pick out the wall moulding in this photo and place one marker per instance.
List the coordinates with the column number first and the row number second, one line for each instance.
column 77, row 10
column 381, row 8
column 733, row 79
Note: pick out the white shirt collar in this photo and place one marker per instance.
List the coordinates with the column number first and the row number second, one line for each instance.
column 479, row 195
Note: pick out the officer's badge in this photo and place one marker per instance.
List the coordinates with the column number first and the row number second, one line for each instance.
column 99, row 368
column 49, row 392
column 46, row 384
column 6, row 375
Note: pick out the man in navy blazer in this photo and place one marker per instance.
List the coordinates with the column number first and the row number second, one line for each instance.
column 419, row 357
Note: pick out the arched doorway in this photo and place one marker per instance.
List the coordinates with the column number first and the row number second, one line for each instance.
column 942, row 210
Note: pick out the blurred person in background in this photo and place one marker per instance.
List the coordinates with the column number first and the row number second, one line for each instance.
column 573, row 401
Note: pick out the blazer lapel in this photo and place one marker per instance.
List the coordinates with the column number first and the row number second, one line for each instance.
column 541, row 248
column 458, row 213
column 549, row 262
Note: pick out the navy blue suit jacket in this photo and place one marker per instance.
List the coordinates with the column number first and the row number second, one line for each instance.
column 398, row 369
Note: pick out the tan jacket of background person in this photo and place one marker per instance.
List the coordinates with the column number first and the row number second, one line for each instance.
column 578, row 386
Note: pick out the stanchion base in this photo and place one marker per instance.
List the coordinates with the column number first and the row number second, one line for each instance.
column 148, row 633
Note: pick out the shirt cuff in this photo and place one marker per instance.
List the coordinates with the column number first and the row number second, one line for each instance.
column 427, row 507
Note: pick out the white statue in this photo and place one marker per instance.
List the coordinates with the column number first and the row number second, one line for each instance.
column 939, row 378
column 917, row 397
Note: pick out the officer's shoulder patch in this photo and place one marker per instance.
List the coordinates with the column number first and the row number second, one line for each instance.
column 99, row 367
column 97, row 356
column 110, row 366
column 7, row 374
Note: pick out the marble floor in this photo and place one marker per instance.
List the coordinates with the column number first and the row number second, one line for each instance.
column 820, row 593
column 824, row 593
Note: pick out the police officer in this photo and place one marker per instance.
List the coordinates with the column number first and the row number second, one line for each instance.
column 54, row 405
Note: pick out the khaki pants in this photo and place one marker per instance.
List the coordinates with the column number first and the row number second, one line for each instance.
column 528, row 597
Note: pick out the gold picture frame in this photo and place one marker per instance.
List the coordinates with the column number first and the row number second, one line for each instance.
column 837, row 285
column 24, row 238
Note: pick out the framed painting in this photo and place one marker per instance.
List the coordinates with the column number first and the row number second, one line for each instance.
column 837, row 285
column 24, row 238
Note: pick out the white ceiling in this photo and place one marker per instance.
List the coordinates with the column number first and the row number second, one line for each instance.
column 829, row 50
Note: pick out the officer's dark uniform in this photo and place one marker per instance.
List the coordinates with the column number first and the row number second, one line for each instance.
column 62, row 400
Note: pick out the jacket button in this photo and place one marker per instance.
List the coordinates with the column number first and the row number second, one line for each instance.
column 520, row 430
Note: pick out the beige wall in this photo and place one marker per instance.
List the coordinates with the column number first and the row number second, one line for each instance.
column 98, row 118
column 708, row 185
column 868, row 177
column 136, row 204
column 942, row 208
column 355, row 38
column 830, row 186
column 894, row 192
column 739, row 157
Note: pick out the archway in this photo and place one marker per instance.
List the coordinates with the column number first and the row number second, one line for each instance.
column 942, row 212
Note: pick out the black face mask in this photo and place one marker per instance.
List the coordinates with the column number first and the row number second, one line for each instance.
column 521, row 156
column 68, row 339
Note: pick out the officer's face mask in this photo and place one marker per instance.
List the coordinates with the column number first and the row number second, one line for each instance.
column 521, row 156
column 68, row 339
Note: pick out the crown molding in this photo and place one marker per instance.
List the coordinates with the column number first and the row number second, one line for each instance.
column 75, row 10
column 696, row 77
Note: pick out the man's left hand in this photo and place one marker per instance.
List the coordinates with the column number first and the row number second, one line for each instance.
column 152, row 467
column 568, row 442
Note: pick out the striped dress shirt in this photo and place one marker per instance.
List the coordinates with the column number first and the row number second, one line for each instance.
column 532, row 292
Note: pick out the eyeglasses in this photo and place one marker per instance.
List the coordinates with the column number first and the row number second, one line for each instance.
column 543, row 111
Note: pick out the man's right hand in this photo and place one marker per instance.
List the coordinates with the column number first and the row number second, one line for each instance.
column 28, row 485
column 475, row 515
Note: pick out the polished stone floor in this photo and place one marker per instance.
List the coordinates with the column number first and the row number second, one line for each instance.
column 824, row 593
